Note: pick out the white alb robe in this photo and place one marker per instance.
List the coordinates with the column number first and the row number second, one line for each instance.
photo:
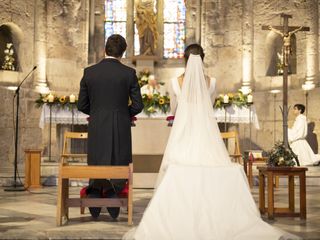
column 297, row 138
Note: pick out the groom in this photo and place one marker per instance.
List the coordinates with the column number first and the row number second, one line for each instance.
column 105, row 89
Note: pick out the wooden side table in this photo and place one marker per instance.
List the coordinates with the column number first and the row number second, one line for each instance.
column 32, row 168
column 291, row 172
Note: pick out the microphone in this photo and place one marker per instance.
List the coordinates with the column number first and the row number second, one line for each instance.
column 18, row 88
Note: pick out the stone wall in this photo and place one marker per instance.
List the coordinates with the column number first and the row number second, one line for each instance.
column 226, row 38
column 55, row 39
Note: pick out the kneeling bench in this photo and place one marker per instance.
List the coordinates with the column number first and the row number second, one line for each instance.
column 67, row 172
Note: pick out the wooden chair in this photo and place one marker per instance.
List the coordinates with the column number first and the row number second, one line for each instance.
column 67, row 172
column 237, row 156
column 256, row 159
column 68, row 136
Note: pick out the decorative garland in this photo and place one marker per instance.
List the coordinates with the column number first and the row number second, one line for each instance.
column 239, row 99
column 68, row 102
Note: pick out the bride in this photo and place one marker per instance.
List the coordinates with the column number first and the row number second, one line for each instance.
column 200, row 194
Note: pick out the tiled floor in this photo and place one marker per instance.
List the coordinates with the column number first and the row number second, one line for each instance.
column 25, row 215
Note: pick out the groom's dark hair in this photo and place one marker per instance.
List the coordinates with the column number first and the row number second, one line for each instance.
column 195, row 49
column 115, row 46
column 300, row 107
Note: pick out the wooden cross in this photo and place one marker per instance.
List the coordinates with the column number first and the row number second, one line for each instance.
column 285, row 32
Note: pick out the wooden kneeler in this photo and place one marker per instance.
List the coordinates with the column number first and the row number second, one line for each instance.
column 67, row 172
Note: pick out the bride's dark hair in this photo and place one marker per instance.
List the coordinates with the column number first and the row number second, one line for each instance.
column 195, row 49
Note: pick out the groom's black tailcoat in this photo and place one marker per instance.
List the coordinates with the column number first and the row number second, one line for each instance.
column 104, row 93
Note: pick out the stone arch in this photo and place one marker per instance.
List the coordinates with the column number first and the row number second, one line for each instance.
column 10, row 33
column 273, row 46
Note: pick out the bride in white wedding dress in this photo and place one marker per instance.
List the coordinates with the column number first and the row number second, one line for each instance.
column 200, row 194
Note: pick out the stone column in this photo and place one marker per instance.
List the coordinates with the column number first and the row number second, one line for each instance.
column 130, row 28
column 312, row 45
column 160, row 27
column 193, row 22
column 247, row 43
column 92, row 55
column 40, row 45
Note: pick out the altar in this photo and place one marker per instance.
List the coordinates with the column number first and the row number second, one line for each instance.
column 149, row 136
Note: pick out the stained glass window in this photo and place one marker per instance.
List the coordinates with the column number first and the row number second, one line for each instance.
column 115, row 17
column 174, row 18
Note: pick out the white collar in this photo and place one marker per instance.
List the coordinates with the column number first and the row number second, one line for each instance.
column 111, row 57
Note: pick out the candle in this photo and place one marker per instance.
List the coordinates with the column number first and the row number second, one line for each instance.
column 72, row 98
column 226, row 99
column 50, row 98
column 249, row 98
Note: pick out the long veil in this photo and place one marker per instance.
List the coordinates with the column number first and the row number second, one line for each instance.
column 200, row 193
column 195, row 137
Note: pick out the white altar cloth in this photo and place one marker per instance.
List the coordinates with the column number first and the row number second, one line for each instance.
column 236, row 114
column 61, row 116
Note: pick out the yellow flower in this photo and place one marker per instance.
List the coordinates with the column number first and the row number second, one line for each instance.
column 230, row 95
column 161, row 101
column 62, row 99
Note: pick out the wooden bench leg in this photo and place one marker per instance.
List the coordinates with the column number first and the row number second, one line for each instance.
column 276, row 181
column 250, row 175
column 303, row 203
column 291, row 193
column 63, row 194
column 270, row 196
column 82, row 208
column 262, row 205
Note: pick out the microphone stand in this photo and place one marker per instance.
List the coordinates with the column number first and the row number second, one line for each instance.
column 16, row 186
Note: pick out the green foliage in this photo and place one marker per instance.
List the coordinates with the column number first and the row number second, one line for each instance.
column 155, row 103
column 281, row 156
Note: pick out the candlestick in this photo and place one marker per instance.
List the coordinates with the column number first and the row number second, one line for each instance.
column 72, row 98
column 226, row 99
column 50, row 98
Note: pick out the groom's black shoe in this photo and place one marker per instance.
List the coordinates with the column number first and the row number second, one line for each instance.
column 94, row 211
column 113, row 211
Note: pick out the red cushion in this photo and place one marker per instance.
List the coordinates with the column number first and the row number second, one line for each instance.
column 83, row 192
column 125, row 191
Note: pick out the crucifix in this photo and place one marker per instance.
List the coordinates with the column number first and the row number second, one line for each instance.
column 285, row 32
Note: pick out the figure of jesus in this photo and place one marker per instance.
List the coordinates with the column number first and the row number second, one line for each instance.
column 286, row 37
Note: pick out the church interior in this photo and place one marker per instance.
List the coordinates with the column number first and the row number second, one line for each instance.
column 264, row 56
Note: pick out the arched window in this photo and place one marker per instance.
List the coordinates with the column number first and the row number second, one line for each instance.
column 115, row 17
column 174, row 29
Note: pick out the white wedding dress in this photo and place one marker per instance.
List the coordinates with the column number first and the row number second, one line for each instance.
column 200, row 194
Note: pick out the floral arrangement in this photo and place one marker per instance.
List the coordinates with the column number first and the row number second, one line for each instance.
column 59, row 101
column 154, row 103
column 279, row 156
column 8, row 63
column 143, row 77
column 239, row 99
